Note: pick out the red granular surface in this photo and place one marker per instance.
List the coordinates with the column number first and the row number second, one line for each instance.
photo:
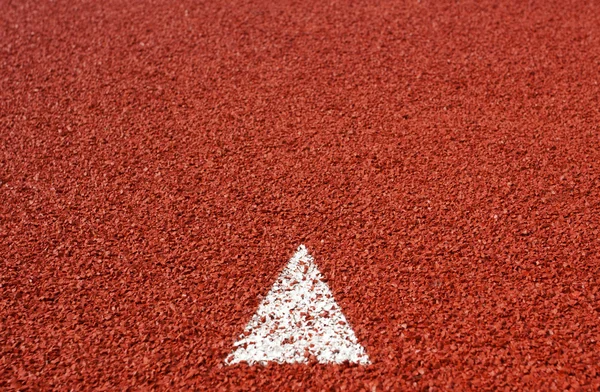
column 160, row 161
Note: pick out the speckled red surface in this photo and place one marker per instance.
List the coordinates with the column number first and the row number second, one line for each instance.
column 160, row 161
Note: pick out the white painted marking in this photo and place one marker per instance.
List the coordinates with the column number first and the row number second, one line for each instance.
column 297, row 320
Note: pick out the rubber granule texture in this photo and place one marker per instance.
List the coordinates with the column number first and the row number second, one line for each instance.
column 160, row 162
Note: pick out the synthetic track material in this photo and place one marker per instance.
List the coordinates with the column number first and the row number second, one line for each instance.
column 160, row 161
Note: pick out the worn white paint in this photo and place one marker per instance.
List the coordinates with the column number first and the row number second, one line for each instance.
column 298, row 320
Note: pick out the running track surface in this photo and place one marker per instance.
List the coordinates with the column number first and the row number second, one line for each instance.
column 160, row 162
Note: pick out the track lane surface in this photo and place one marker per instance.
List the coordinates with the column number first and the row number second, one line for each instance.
column 161, row 161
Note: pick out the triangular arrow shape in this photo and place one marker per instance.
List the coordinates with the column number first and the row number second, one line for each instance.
column 297, row 320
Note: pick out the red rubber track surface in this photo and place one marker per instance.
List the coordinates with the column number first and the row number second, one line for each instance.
column 160, row 161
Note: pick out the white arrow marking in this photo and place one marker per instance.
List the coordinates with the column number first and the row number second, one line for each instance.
column 297, row 320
